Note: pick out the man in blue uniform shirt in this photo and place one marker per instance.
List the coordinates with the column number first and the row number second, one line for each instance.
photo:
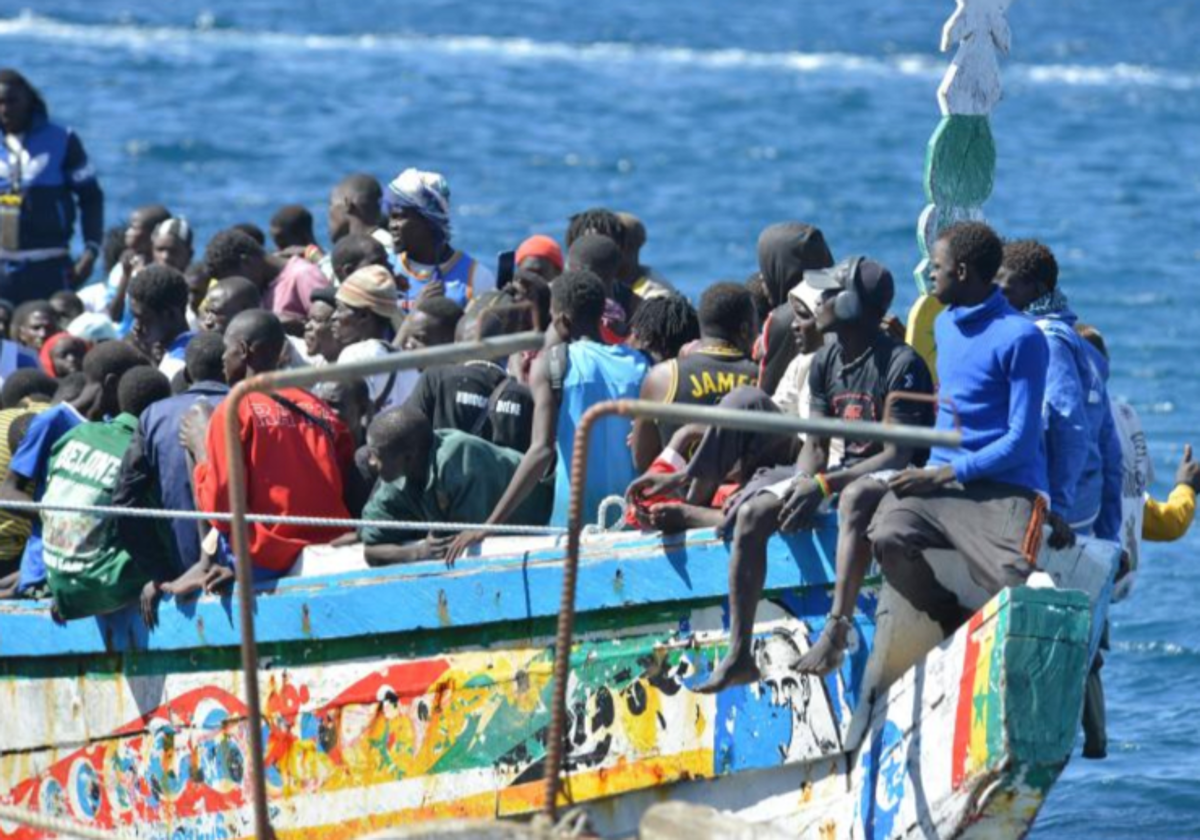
column 44, row 173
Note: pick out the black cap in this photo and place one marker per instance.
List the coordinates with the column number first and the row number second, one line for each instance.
column 868, row 286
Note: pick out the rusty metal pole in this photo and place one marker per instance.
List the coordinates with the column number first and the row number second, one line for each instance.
column 729, row 418
column 566, row 607
column 245, row 580
column 240, row 535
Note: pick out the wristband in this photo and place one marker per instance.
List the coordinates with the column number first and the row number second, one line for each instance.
column 673, row 458
column 92, row 248
column 823, row 483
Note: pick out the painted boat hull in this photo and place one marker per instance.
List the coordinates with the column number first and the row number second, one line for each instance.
column 400, row 696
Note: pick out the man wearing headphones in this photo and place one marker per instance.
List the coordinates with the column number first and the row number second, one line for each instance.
column 851, row 379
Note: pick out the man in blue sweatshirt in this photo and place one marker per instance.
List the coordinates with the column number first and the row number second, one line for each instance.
column 986, row 500
column 1083, row 452
column 1082, row 447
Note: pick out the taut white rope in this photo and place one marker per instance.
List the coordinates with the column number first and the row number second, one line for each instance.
column 270, row 519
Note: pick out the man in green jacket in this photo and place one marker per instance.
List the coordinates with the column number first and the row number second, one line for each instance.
column 442, row 476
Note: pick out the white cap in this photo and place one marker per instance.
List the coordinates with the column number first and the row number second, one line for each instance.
column 93, row 327
column 808, row 296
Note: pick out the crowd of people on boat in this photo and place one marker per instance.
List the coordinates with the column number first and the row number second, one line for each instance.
column 114, row 394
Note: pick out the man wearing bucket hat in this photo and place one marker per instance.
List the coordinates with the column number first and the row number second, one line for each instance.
column 850, row 379
column 366, row 313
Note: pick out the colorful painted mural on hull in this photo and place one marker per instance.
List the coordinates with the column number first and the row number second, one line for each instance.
column 452, row 736
column 354, row 747
column 385, row 717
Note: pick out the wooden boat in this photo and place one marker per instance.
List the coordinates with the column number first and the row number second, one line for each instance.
column 417, row 694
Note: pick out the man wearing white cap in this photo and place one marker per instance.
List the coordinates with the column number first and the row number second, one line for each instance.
column 365, row 317
column 791, row 394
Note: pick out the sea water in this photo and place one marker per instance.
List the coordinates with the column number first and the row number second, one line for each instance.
column 710, row 121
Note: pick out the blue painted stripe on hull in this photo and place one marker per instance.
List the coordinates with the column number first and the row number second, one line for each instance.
column 635, row 571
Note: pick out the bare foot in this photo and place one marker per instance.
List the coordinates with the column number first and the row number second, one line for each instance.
column 734, row 669
column 826, row 655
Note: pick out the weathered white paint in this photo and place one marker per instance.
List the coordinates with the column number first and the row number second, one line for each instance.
column 1087, row 566
column 972, row 84
column 934, row 219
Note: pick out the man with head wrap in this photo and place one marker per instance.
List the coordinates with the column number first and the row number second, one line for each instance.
column 417, row 205
column 785, row 251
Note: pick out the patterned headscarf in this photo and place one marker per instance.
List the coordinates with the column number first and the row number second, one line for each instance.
column 1048, row 304
column 428, row 194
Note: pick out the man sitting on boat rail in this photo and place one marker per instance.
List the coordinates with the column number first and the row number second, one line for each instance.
column 730, row 457
column 1083, row 452
column 851, row 379
column 714, row 367
column 986, row 500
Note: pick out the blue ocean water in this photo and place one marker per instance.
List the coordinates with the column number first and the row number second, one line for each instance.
column 711, row 121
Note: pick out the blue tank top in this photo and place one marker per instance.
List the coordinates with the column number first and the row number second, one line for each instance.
column 595, row 373
column 457, row 273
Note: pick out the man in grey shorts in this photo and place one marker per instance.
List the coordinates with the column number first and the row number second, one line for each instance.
column 995, row 527
column 986, row 500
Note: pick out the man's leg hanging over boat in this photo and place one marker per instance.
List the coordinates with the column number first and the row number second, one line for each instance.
column 1095, row 712
column 756, row 519
column 995, row 528
column 899, row 534
column 856, row 507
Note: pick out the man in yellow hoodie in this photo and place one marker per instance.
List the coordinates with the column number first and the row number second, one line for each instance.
column 1170, row 520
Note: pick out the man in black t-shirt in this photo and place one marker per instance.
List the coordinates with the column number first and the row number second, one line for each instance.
column 851, row 379
column 716, row 365
column 478, row 397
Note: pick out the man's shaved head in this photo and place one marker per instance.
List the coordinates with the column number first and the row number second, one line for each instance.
column 241, row 292
column 257, row 326
column 354, row 205
column 360, row 189
column 226, row 300
column 254, row 342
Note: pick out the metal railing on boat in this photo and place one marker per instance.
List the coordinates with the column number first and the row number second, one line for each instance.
column 239, row 519
column 750, row 421
column 239, row 533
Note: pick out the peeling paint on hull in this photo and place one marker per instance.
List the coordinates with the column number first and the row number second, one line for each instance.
column 376, row 730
